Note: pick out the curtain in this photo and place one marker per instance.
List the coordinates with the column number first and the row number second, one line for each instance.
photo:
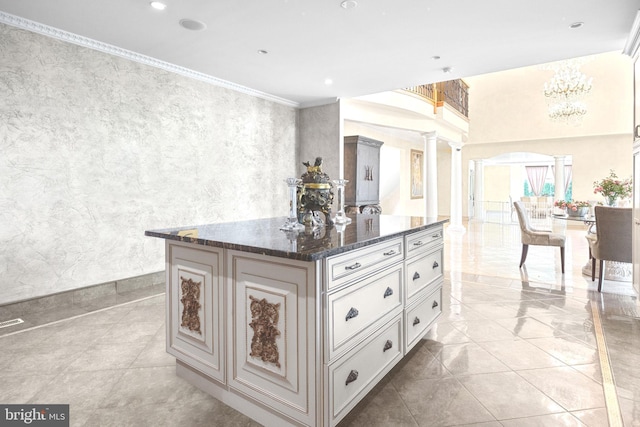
column 567, row 177
column 537, row 175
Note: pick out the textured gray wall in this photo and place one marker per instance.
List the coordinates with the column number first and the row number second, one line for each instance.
column 95, row 149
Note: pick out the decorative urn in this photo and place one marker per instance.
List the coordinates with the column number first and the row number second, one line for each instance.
column 315, row 196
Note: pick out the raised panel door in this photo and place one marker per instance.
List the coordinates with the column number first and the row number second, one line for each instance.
column 195, row 308
column 272, row 332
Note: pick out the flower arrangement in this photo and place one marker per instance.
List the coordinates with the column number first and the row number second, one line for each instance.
column 571, row 205
column 613, row 188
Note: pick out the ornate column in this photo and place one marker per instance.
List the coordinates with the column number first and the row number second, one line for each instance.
column 559, row 178
column 478, row 190
column 431, row 174
column 456, row 188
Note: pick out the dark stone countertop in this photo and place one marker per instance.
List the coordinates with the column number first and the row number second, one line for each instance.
column 264, row 236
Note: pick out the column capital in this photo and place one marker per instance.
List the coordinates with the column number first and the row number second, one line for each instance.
column 559, row 158
column 433, row 135
column 457, row 145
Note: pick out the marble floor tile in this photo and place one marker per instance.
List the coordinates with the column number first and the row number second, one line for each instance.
column 419, row 364
column 465, row 359
column 526, row 327
column 150, row 386
column 506, row 395
column 483, row 330
column 557, row 420
column 568, row 387
column 442, row 402
column 519, row 354
column 593, row 417
column 445, row 333
column 81, row 390
column 569, row 350
column 382, row 407
column 99, row 357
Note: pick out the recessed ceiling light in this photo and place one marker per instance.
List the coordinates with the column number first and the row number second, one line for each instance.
column 328, row 81
column 348, row 4
column 435, row 57
column 576, row 25
column 192, row 24
column 158, row 5
column 447, row 70
column 262, row 52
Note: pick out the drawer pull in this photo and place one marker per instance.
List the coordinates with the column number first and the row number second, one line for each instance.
column 435, row 236
column 353, row 375
column 416, row 321
column 388, row 292
column 353, row 267
column 418, row 243
column 387, row 346
column 435, row 304
column 435, row 264
column 391, row 252
column 416, row 276
column 351, row 314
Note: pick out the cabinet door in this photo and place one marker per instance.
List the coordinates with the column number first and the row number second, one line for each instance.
column 195, row 308
column 271, row 342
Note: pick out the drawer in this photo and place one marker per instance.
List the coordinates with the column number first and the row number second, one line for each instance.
column 420, row 317
column 416, row 243
column 353, row 376
column 422, row 271
column 355, row 311
column 357, row 263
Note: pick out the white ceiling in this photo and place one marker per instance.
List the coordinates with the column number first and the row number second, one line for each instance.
column 379, row 45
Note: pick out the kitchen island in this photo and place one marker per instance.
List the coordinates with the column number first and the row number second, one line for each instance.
column 295, row 328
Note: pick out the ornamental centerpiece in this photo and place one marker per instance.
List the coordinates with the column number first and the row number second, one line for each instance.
column 315, row 194
column 613, row 188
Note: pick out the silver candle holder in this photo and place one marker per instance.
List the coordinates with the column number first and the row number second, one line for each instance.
column 341, row 217
column 292, row 223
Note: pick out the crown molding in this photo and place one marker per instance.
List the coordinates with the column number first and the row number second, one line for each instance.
column 56, row 33
column 633, row 41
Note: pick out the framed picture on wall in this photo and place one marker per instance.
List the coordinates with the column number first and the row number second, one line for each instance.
column 417, row 163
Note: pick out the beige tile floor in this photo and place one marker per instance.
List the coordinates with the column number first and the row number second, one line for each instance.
column 512, row 348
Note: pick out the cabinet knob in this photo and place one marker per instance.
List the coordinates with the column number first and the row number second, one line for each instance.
column 387, row 346
column 388, row 292
column 353, row 267
column 353, row 375
column 351, row 314
column 416, row 275
column 435, row 264
column 416, row 321
column 435, row 304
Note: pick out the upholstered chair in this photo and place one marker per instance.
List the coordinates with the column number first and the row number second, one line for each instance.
column 532, row 236
column 613, row 239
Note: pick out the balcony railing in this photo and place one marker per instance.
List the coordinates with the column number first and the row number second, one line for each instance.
column 452, row 92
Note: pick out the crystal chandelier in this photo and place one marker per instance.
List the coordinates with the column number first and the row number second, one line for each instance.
column 565, row 92
column 568, row 112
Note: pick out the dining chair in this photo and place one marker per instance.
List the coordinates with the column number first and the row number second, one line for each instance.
column 532, row 236
column 613, row 238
